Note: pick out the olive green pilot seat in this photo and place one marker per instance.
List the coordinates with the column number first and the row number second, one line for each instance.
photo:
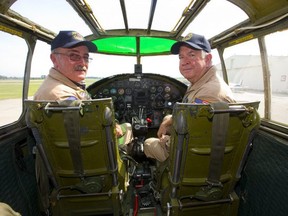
column 79, row 168
column 209, row 146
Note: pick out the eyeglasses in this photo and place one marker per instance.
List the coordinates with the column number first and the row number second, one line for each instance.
column 75, row 57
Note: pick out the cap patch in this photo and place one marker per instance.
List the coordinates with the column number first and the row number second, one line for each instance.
column 188, row 37
column 77, row 36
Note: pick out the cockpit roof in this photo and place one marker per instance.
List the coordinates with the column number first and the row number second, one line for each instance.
column 143, row 28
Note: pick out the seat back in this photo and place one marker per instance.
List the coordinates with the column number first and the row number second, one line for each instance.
column 77, row 144
column 209, row 146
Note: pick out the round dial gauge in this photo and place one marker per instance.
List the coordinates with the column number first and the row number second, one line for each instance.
column 105, row 91
column 160, row 89
column 153, row 89
column 167, row 96
column 113, row 91
column 167, row 89
column 121, row 91
column 137, row 84
column 128, row 91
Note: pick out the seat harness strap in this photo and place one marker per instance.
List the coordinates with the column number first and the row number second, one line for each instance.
column 72, row 126
column 219, row 133
column 213, row 190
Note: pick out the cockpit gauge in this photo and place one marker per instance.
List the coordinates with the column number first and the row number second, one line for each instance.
column 113, row 91
column 121, row 91
column 137, row 84
column 152, row 96
column 128, row 91
column 153, row 89
column 167, row 96
column 167, row 89
column 160, row 89
column 105, row 91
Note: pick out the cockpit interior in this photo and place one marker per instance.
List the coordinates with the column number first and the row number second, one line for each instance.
column 147, row 96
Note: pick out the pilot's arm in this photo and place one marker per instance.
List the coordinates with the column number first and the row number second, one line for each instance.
column 165, row 126
column 119, row 132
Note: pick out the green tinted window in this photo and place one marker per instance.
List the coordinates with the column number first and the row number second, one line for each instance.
column 127, row 45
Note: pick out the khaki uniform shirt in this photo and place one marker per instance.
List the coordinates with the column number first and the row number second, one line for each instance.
column 58, row 87
column 210, row 88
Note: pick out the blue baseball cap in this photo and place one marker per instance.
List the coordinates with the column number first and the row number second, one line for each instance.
column 69, row 39
column 198, row 42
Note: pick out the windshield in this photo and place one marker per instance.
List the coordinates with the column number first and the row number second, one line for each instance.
column 137, row 13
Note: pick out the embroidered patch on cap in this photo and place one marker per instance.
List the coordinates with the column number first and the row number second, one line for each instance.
column 77, row 36
column 188, row 37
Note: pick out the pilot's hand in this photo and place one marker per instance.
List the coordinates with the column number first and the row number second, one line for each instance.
column 161, row 131
column 119, row 132
column 165, row 126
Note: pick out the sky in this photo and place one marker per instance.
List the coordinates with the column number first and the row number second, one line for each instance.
column 103, row 65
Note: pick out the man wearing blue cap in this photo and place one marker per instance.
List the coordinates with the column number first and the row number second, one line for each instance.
column 195, row 64
column 66, row 79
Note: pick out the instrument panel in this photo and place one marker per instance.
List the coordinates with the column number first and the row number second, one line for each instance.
column 147, row 96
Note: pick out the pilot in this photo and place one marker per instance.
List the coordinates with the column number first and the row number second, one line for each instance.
column 195, row 64
column 66, row 79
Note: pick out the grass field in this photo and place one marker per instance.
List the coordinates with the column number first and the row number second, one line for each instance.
column 11, row 89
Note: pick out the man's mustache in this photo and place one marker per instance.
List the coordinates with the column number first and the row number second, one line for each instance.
column 80, row 68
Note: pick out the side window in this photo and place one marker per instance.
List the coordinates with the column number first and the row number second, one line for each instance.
column 244, row 69
column 13, row 56
column 40, row 66
column 277, row 50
